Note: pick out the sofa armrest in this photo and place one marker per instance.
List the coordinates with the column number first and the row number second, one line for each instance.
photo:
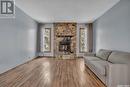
column 117, row 74
column 90, row 54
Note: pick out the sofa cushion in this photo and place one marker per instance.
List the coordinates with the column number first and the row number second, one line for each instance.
column 99, row 66
column 91, row 58
column 103, row 54
column 119, row 57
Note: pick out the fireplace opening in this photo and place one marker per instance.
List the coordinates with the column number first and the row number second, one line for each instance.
column 65, row 45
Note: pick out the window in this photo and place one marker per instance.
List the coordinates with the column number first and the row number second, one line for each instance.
column 83, row 40
column 46, row 47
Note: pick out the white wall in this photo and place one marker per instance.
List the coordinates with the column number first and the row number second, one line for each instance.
column 48, row 25
column 112, row 30
column 17, row 40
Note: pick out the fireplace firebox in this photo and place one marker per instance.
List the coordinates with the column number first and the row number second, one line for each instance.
column 65, row 45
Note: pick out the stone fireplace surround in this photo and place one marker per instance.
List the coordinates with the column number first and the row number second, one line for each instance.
column 62, row 30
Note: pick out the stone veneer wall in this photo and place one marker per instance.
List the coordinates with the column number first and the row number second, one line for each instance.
column 64, row 29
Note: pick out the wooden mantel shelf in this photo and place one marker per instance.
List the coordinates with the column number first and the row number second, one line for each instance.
column 64, row 35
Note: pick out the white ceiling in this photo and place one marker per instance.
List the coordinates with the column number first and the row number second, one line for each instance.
column 81, row 11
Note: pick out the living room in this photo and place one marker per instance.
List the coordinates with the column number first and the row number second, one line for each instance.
column 58, row 43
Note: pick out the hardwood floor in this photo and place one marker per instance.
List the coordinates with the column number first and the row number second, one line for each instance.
column 45, row 72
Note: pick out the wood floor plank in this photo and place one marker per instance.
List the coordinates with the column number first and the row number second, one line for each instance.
column 46, row 72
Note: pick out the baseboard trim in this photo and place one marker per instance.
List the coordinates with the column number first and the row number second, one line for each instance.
column 45, row 56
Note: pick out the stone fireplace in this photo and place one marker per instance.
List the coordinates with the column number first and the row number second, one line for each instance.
column 64, row 38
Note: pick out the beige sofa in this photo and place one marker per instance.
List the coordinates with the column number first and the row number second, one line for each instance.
column 111, row 67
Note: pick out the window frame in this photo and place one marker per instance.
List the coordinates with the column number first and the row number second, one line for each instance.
column 49, row 39
column 80, row 41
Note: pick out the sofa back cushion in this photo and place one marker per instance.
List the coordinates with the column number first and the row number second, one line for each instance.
column 103, row 54
column 119, row 57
